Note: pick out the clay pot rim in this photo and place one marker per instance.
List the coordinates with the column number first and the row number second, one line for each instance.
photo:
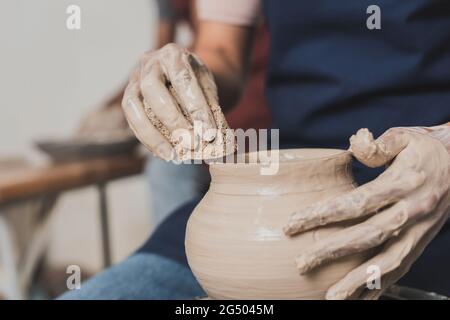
column 335, row 153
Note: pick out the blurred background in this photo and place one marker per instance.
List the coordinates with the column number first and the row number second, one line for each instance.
column 51, row 77
column 76, row 188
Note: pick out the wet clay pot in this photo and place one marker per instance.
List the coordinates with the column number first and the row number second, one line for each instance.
column 234, row 241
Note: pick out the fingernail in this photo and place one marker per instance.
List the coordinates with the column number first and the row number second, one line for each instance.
column 289, row 230
column 303, row 264
column 195, row 140
column 166, row 152
column 187, row 138
column 335, row 296
column 209, row 134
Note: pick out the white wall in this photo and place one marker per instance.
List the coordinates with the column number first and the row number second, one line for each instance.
column 49, row 77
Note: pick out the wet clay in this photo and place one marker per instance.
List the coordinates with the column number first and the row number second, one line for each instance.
column 171, row 105
column 197, row 84
column 235, row 242
column 223, row 144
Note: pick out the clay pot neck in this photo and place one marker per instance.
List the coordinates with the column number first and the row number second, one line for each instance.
column 299, row 171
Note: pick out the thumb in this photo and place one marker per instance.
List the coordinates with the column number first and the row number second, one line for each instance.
column 375, row 153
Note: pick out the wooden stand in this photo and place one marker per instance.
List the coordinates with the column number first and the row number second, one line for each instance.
column 45, row 184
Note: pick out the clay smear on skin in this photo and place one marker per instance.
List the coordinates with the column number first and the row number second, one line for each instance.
column 410, row 199
column 219, row 147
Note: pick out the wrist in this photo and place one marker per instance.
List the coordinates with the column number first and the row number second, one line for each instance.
column 442, row 133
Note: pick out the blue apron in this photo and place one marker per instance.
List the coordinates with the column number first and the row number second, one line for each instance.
column 329, row 75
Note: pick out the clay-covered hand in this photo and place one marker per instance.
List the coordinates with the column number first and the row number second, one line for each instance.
column 169, row 92
column 399, row 213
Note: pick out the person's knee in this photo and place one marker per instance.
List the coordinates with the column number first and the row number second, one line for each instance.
column 141, row 276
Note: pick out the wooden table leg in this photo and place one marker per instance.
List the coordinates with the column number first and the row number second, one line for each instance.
column 104, row 224
column 11, row 284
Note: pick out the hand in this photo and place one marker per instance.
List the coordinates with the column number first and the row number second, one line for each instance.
column 404, row 208
column 169, row 94
column 104, row 125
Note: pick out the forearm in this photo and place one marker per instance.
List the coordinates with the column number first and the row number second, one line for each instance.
column 229, row 79
column 441, row 133
column 225, row 51
column 166, row 33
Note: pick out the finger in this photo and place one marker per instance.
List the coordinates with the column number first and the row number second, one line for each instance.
column 162, row 103
column 208, row 85
column 190, row 95
column 393, row 262
column 388, row 188
column 375, row 153
column 205, row 79
column 134, row 77
column 370, row 294
column 369, row 234
column 141, row 125
column 435, row 225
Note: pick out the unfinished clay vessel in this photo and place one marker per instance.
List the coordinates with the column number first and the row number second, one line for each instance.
column 234, row 241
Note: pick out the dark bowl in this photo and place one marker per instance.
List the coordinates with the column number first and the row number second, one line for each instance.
column 74, row 150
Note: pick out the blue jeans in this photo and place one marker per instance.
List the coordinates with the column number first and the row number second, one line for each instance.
column 172, row 185
column 142, row 276
column 158, row 270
